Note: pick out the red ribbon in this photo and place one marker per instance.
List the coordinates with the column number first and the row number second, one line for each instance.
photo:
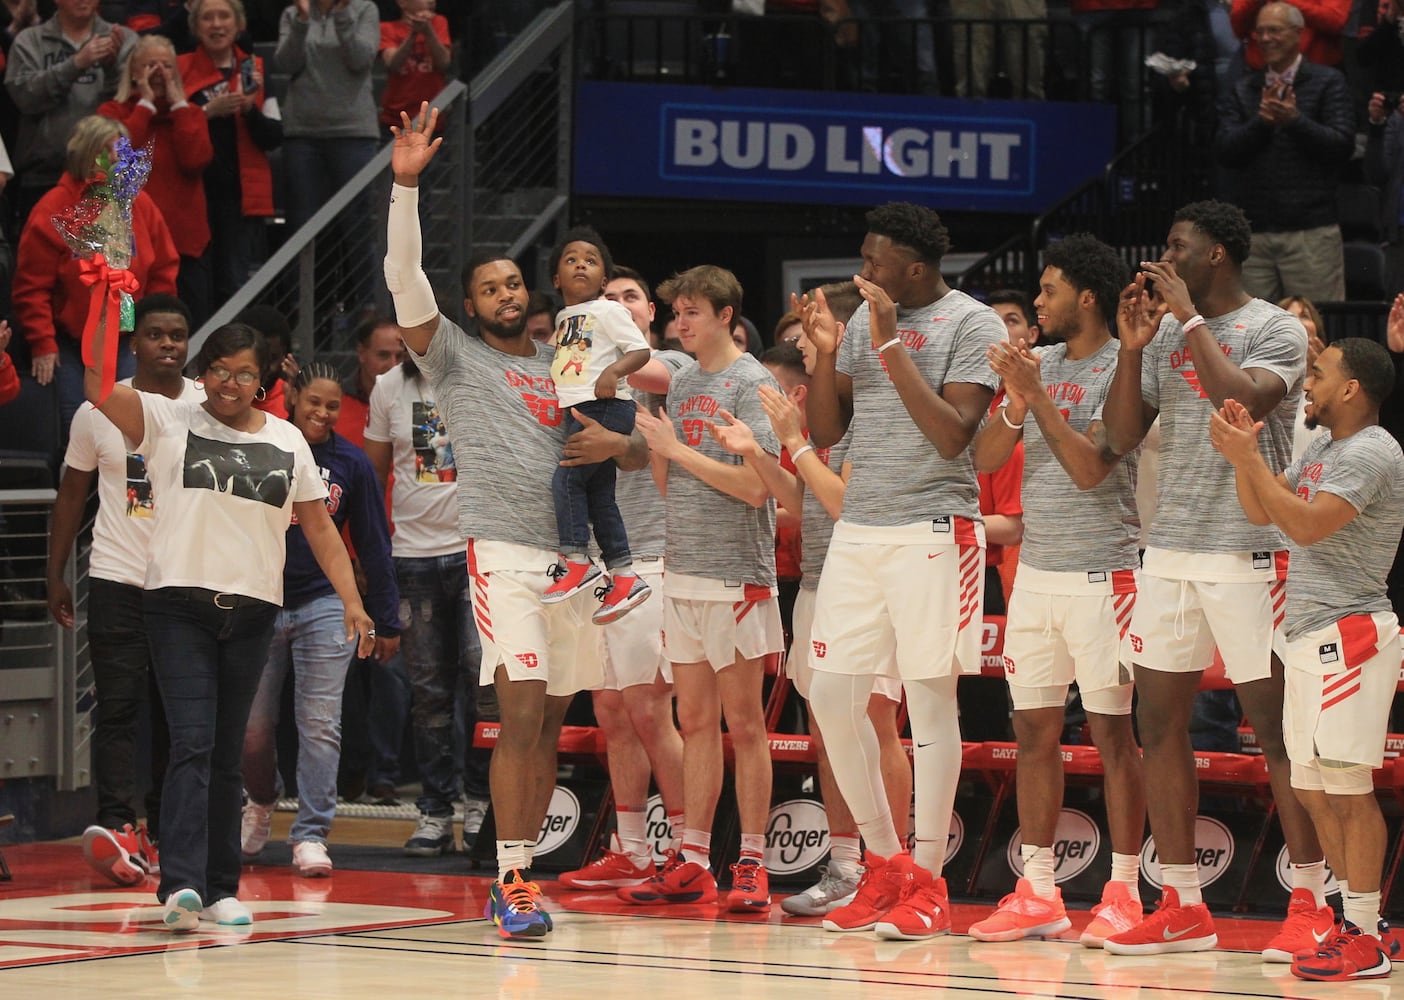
column 105, row 308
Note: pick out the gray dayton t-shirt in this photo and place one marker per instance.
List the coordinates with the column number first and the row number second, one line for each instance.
column 1196, row 508
column 1068, row 530
column 507, row 432
column 709, row 533
column 898, row 475
column 640, row 503
column 1344, row 573
column 816, row 526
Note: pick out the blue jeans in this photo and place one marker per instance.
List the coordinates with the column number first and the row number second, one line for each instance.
column 68, row 377
column 310, row 639
column 125, row 682
column 439, row 644
column 314, row 170
column 207, row 660
column 584, row 494
column 385, row 726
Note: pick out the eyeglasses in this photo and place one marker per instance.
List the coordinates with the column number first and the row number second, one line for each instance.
column 242, row 379
column 1273, row 30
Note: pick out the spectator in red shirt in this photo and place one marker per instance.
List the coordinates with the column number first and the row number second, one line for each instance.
column 227, row 83
column 415, row 50
column 49, row 298
column 151, row 103
column 9, row 378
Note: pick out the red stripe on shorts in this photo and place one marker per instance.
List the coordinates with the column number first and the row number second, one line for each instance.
column 1359, row 637
column 1341, row 693
column 1279, row 560
column 480, row 587
column 1123, row 581
column 742, row 609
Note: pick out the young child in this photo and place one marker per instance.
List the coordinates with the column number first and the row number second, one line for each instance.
column 597, row 348
column 416, row 51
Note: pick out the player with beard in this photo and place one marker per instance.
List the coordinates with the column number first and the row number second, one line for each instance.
column 495, row 394
column 1074, row 588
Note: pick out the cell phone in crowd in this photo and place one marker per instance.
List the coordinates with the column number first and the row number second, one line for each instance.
column 246, row 76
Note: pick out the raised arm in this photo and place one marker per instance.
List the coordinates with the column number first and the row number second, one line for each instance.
column 830, row 401
column 415, row 307
column 1126, row 416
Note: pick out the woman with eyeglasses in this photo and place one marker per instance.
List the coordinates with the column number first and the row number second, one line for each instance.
column 307, row 635
column 230, row 479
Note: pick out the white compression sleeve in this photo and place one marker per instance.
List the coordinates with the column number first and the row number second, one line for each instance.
column 404, row 273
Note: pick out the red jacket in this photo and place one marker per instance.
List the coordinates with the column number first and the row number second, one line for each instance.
column 197, row 72
column 1321, row 38
column 180, row 152
column 9, row 380
column 49, row 298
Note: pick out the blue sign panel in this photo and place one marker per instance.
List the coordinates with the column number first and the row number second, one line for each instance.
column 833, row 148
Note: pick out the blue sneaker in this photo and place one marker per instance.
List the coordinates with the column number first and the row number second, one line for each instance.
column 512, row 906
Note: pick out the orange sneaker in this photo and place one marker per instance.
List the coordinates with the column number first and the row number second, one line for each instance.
column 924, row 910
column 750, row 887
column 1352, row 954
column 1171, row 928
column 678, row 881
column 1306, row 930
column 879, row 890
column 1023, row 914
column 115, row 853
column 611, row 870
column 1118, row 911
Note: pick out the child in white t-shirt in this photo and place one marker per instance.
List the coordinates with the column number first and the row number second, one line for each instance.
column 597, row 348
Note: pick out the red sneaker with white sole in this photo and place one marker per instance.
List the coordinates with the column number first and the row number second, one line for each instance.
column 1171, row 928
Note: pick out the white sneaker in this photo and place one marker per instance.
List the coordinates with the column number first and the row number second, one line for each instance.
column 474, row 812
column 310, row 859
column 228, row 912
column 183, row 911
column 829, row 893
column 257, row 824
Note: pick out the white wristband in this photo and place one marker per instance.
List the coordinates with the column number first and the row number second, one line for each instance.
column 1195, row 322
column 1004, row 415
column 795, row 455
column 894, row 341
column 404, row 272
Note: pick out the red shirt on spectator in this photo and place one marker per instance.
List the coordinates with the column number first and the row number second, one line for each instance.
column 416, row 81
column 180, row 152
column 9, row 380
column 48, row 296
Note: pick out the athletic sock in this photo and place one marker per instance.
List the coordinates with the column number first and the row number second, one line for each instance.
column 633, row 835
column 753, row 845
column 1039, row 865
column 511, row 855
column 1126, row 868
column 1363, row 910
column 1313, row 877
column 844, row 855
column 1184, row 879
column 697, row 846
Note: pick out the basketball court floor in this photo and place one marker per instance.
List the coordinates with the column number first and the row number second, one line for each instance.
column 66, row 932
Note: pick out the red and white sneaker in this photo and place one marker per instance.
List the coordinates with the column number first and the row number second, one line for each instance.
column 1023, row 914
column 611, row 870
column 1306, row 930
column 1118, row 911
column 115, row 853
column 622, row 594
column 678, row 881
column 569, row 579
column 1388, row 938
column 750, row 887
column 879, row 890
column 924, row 910
column 149, row 851
column 1171, row 928
column 1352, row 954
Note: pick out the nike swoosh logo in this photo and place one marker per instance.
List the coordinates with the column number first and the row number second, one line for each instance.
column 1321, row 938
column 688, row 882
column 925, row 920
column 1172, row 935
column 933, row 555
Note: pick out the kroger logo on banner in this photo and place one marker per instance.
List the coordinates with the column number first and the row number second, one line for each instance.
column 1076, row 841
column 796, row 836
column 1213, row 850
column 796, row 146
column 562, row 818
column 657, row 831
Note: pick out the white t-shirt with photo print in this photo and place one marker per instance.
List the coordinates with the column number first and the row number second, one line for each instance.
column 226, row 498
column 126, row 501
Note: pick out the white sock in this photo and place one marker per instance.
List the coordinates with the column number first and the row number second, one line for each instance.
column 1363, row 910
column 844, row 857
column 530, row 846
column 1311, row 876
column 511, row 855
column 1039, row 864
column 1184, row 879
column 753, row 845
column 1127, row 868
column 633, row 837
column 697, row 846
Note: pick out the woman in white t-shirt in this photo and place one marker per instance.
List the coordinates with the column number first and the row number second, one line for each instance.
column 230, row 478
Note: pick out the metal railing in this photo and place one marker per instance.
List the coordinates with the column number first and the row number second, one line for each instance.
column 500, row 181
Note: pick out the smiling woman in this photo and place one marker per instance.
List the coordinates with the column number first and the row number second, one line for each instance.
column 230, row 479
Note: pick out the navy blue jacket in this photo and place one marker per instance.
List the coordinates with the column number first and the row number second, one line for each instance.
column 1287, row 177
column 354, row 496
